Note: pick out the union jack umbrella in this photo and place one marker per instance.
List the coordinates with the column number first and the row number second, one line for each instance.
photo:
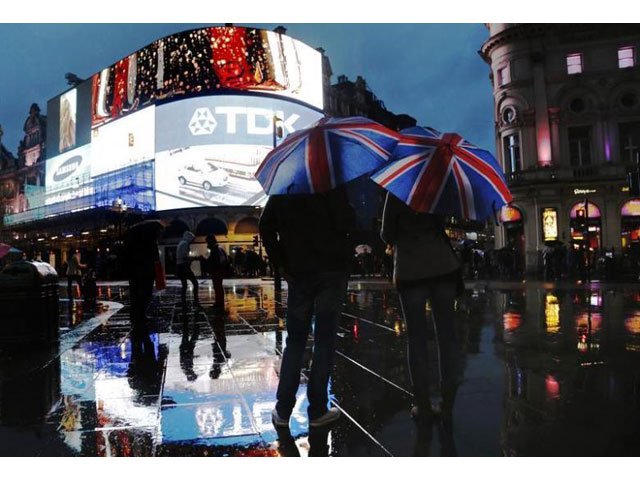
column 442, row 173
column 330, row 153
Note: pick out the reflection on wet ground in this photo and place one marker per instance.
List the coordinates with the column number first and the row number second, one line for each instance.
column 548, row 370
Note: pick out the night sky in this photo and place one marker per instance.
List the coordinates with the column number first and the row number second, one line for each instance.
column 430, row 71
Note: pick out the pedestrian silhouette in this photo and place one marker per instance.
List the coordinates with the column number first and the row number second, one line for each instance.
column 74, row 272
column 217, row 263
column 307, row 237
column 183, row 269
column 425, row 269
column 141, row 254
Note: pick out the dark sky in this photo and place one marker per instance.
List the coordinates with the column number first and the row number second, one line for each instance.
column 430, row 71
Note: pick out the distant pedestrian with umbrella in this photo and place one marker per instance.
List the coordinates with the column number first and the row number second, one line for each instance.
column 430, row 175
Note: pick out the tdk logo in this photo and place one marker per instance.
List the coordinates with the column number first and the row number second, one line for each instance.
column 258, row 120
column 202, row 122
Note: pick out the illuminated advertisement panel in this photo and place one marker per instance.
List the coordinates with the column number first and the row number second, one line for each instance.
column 121, row 144
column 550, row 224
column 208, row 148
column 67, row 123
column 209, row 60
column 68, row 175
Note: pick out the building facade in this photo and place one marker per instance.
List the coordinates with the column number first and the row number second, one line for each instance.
column 567, row 124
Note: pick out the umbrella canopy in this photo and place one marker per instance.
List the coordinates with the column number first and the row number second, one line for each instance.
column 331, row 152
column 442, row 173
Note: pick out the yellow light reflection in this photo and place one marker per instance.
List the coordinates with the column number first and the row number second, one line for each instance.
column 552, row 313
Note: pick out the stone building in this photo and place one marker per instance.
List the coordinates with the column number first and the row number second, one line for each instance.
column 567, row 124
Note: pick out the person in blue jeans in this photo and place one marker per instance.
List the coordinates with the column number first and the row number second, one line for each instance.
column 425, row 269
column 308, row 238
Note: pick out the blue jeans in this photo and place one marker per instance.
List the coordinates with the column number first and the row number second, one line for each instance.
column 318, row 295
column 413, row 299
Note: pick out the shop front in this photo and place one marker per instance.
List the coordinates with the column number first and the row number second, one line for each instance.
column 586, row 225
column 513, row 224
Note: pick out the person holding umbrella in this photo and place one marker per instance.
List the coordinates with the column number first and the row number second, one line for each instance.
column 308, row 238
column 432, row 174
column 425, row 269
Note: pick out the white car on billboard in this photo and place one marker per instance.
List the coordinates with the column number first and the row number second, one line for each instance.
column 202, row 174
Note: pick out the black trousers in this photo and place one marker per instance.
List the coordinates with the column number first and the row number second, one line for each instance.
column 140, row 291
column 184, row 273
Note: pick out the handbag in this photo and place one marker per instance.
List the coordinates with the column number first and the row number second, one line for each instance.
column 161, row 280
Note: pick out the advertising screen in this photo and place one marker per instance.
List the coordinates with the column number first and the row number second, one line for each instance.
column 209, row 60
column 550, row 224
column 68, row 175
column 67, row 121
column 208, row 148
column 121, row 144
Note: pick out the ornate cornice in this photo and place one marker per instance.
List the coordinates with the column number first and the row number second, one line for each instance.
column 516, row 32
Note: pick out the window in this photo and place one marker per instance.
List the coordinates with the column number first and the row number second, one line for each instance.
column 508, row 115
column 629, row 141
column 626, row 57
column 512, row 153
column 574, row 63
column 504, row 75
column 580, row 146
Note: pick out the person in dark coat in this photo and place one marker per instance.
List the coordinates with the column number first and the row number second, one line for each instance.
column 308, row 238
column 425, row 269
column 141, row 252
column 216, row 263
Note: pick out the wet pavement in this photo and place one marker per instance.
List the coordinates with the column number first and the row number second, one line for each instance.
column 549, row 369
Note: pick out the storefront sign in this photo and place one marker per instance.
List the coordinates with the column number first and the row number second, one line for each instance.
column 550, row 224
column 584, row 191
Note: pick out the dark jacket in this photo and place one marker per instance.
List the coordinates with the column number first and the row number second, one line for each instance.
column 308, row 233
column 141, row 250
column 421, row 247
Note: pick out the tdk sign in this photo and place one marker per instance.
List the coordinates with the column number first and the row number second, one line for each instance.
column 259, row 121
column 228, row 120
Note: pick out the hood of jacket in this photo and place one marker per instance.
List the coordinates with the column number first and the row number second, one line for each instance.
column 188, row 236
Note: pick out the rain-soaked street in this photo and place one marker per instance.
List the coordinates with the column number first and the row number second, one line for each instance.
column 548, row 370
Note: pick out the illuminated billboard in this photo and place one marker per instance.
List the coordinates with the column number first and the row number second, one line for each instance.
column 208, row 60
column 67, row 121
column 208, row 148
column 550, row 224
column 124, row 143
column 68, row 176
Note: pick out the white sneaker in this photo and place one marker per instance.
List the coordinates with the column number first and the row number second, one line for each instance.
column 277, row 420
column 331, row 416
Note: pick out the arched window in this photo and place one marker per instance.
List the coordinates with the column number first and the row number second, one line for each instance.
column 210, row 226
column 578, row 210
column 247, row 226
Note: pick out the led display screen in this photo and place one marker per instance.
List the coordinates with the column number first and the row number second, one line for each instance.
column 208, row 148
column 68, row 175
column 67, row 122
column 124, row 143
column 208, row 60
